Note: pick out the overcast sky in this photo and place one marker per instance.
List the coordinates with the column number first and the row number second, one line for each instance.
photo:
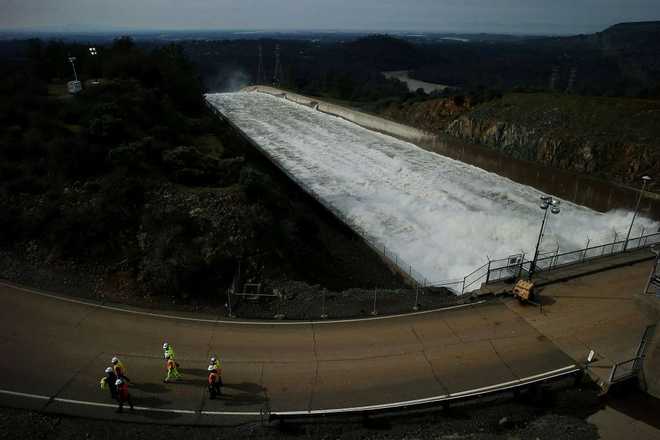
column 506, row 16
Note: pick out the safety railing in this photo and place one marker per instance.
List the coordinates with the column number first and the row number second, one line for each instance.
column 629, row 369
column 558, row 260
column 622, row 371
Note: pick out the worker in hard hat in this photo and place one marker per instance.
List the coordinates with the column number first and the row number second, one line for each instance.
column 215, row 362
column 172, row 370
column 215, row 382
column 119, row 368
column 108, row 381
column 123, row 395
column 168, row 349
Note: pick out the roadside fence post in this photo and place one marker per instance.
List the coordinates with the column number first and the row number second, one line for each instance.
column 488, row 272
column 586, row 248
column 324, row 315
column 231, row 315
column 374, row 311
column 279, row 314
column 641, row 234
column 614, row 243
column 416, row 306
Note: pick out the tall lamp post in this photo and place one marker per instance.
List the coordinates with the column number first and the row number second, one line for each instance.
column 72, row 60
column 93, row 53
column 553, row 205
column 645, row 180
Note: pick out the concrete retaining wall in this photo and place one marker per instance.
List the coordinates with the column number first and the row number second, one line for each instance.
column 594, row 193
column 584, row 190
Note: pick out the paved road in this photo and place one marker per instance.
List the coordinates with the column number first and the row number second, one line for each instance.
column 58, row 349
column 595, row 312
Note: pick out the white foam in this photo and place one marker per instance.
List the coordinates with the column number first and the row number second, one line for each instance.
column 440, row 215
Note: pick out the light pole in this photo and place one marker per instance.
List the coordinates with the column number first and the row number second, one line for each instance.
column 645, row 179
column 546, row 202
column 72, row 60
column 93, row 53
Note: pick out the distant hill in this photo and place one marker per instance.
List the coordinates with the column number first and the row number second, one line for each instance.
column 640, row 36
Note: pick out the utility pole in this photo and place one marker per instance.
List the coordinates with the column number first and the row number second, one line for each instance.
column 554, row 78
column 260, row 69
column 278, row 67
column 571, row 80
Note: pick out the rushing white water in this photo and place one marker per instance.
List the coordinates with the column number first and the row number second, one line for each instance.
column 440, row 215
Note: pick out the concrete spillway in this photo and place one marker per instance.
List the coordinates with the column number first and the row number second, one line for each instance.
column 442, row 216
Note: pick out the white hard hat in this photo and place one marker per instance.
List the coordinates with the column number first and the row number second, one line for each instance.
column 213, row 359
column 115, row 359
column 119, row 382
column 165, row 345
column 211, row 367
column 108, row 370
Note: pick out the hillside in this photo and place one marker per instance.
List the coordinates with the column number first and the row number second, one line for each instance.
column 610, row 138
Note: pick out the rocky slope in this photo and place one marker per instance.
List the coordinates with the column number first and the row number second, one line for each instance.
column 610, row 138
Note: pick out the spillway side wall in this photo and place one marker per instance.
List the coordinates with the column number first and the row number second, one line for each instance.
column 384, row 257
column 596, row 194
column 583, row 190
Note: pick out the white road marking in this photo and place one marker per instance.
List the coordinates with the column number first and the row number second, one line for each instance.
column 436, row 399
column 219, row 321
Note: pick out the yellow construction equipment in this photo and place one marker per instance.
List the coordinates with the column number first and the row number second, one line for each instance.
column 524, row 290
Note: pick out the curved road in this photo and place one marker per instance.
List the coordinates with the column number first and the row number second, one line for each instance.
column 55, row 350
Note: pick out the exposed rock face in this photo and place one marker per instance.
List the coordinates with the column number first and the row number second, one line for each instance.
column 612, row 159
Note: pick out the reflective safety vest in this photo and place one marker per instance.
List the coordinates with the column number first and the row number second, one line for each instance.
column 171, row 365
column 217, row 366
column 170, row 352
column 104, row 382
column 119, row 369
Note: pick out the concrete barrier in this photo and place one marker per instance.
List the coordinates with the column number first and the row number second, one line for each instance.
column 365, row 120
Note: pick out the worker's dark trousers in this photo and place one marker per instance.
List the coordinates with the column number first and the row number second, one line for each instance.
column 121, row 403
column 214, row 390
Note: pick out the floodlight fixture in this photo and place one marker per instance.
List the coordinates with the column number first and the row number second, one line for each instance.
column 553, row 204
